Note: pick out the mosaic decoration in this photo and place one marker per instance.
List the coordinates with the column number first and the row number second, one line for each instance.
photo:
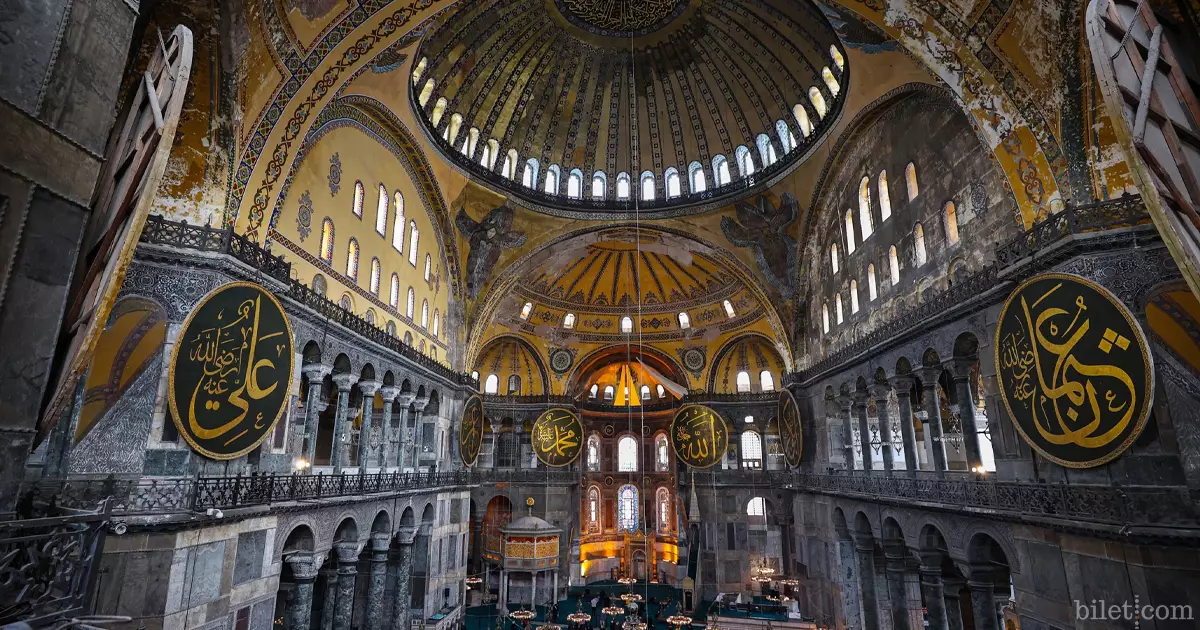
column 557, row 437
column 231, row 371
column 700, row 436
column 694, row 359
column 335, row 174
column 1075, row 372
column 620, row 18
column 304, row 216
column 488, row 238
column 763, row 227
column 470, row 431
column 791, row 435
column 561, row 360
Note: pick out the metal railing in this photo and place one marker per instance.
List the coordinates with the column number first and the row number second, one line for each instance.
column 1124, row 211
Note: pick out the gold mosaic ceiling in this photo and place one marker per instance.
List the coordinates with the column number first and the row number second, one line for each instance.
column 620, row 17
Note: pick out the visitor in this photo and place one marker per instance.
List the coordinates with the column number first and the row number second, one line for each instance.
column 595, row 602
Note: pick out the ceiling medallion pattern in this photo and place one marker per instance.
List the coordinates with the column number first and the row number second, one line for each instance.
column 620, row 18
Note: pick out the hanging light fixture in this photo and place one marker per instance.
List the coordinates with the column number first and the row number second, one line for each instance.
column 579, row 617
column 522, row 615
column 627, row 580
column 613, row 610
column 679, row 620
column 631, row 597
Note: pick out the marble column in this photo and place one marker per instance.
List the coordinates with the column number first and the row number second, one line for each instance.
column 903, row 386
column 379, row 556
column 347, row 573
column 931, row 586
column 403, row 438
column 895, row 552
column 952, row 590
column 864, row 429
column 329, row 574
column 845, row 403
column 368, row 389
column 880, row 394
column 983, row 597
column 864, row 548
column 304, row 572
column 418, row 405
column 933, row 411
column 402, row 603
column 960, row 371
column 315, row 374
column 339, row 450
column 385, row 441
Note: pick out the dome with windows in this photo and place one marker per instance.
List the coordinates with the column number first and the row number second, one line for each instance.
column 656, row 108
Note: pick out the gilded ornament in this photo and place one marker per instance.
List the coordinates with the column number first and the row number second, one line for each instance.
column 700, row 436
column 791, row 435
column 557, row 437
column 470, row 430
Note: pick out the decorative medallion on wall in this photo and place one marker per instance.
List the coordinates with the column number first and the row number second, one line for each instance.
column 561, row 360
column 699, row 435
column 557, row 437
column 231, row 371
column 608, row 481
column 335, row 174
column 304, row 216
column 694, row 360
column 1075, row 371
column 470, row 430
column 609, row 430
column 791, row 435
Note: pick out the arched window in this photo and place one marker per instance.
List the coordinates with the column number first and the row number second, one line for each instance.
column 530, row 174
column 830, row 81
column 838, row 60
column 369, row 316
column 662, row 391
column 818, row 101
column 696, row 181
column 408, row 338
column 514, row 385
column 414, row 238
column 721, row 170
column 345, row 303
column 674, row 188
column 608, row 392
column 647, row 186
column 381, row 211
column 837, row 304
column 398, row 226
column 644, row 393
column 766, row 150
column 425, row 314
column 551, row 184
column 894, row 264
column 872, row 289
column 623, row 186
column 426, row 92
column 437, row 323
column 492, row 384
column 786, row 140
column 825, row 316
column 509, row 168
column 569, row 321
column 485, row 158
column 801, row 116
column 833, row 258
column 359, row 193
column 864, row 208
column 751, row 450
column 475, row 375
column 756, row 507
column 661, row 453
column 352, row 260
column 318, row 285
column 391, row 329
column 766, row 381
column 729, row 312
column 910, row 177
column 526, row 310
column 745, row 161
column 575, row 184
column 419, row 70
column 439, row 109
column 919, row 243
column 428, row 267
column 593, row 447
column 853, row 296
column 376, row 272
column 451, row 132
column 743, row 382
column 626, row 325
column 411, row 309
column 599, row 185
column 627, row 454
column 471, row 143
column 327, row 241
column 850, row 232
column 950, row 216
column 663, row 501
column 684, row 321
column 627, row 508
column 593, row 507
column 493, row 152
column 885, row 198
column 592, row 393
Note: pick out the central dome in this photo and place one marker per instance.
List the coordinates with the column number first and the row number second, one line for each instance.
column 701, row 102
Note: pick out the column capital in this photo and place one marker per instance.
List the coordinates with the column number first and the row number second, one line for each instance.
column 406, row 535
column 902, row 383
column 347, row 552
column 861, row 398
column 381, row 542
column 305, row 565
column 981, row 576
column 845, row 401
column 960, row 369
column 368, row 388
column 879, row 391
column 931, row 561
column 316, row 372
column 389, row 392
column 929, row 375
column 405, row 398
column 344, row 381
column 419, row 403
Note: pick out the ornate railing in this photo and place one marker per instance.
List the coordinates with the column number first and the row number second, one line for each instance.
column 48, row 566
column 1125, row 211
column 159, row 231
column 533, row 399
column 590, row 404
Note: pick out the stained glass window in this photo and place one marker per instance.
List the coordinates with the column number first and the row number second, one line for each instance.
column 627, row 508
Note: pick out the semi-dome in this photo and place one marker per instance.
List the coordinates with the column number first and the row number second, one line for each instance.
column 661, row 107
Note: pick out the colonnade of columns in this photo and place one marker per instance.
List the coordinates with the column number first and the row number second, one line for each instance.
column 339, row 570
column 394, row 450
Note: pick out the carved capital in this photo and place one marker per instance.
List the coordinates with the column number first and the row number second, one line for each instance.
column 879, row 392
column 902, row 384
column 347, row 552
column 368, row 388
column 930, row 376
column 305, row 565
column 420, row 403
column 380, row 542
column 844, row 401
column 316, row 372
column 405, row 398
column 406, row 535
column 389, row 392
column 344, row 381
column 861, row 398
column 960, row 369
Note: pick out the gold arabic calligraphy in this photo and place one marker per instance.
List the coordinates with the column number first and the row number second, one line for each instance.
column 700, row 436
column 470, row 437
column 557, row 437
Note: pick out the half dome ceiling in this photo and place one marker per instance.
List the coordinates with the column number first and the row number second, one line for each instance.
column 579, row 107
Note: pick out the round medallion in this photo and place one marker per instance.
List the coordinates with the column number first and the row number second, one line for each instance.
column 231, row 372
column 560, row 361
column 791, row 436
column 557, row 437
column 699, row 435
column 608, row 481
column 1075, row 371
column 470, row 430
column 609, row 430
column 693, row 359
column 620, row 19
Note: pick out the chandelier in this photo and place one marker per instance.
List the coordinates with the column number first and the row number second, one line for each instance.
column 679, row 620
column 579, row 617
column 789, row 582
column 631, row 597
column 627, row 580
column 521, row 615
column 613, row 610
column 473, row 580
column 634, row 625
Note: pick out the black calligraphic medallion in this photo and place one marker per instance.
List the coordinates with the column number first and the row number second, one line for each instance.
column 791, row 436
column 231, row 373
column 1074, row 369
column 700, row 436
column 470, row 430
column 557, row 437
